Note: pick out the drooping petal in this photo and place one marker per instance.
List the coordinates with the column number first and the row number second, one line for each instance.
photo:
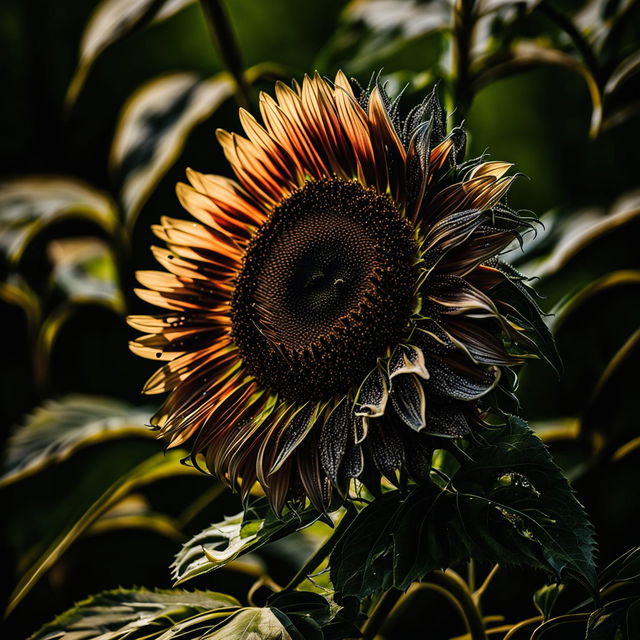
column 333, row 438
column 409, row 401
column 372, row 397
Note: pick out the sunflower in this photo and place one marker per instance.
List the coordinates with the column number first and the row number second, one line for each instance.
column 339, row 310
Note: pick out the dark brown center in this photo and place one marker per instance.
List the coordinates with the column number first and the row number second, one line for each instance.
column 326, row 286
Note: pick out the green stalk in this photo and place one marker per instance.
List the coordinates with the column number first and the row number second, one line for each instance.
column 521, row 625
column 449, row 585
column 570, row 618
column 323, row 551
column 463, row 24
column 456, row 590
column 380, row 612
column 572, row 31
column 224, row 40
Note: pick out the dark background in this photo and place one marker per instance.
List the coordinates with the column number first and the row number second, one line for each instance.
column 538, row 119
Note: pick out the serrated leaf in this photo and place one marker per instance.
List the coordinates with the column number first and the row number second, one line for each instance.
column 507, row 503
column 117, row 614
column 28, row 205
column 59, row 428
column 111, row 21
column 153, row 128
column 169, row 615
column 548, row 507
column 224, row 541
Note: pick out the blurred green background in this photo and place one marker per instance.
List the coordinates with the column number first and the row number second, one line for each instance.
column 69, row 250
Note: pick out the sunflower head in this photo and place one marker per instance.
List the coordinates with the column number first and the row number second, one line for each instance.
column 340, row 309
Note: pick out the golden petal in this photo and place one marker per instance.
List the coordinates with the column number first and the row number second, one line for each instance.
column 227, row 196
column 185, row 365
column 343, row 83
column 355, row 123
column 261, row 171
column 157, row 299
column 149, row 353
column 176, row 232
column 159, row 280
column 273, row 154
column 322, row 119
column 389, row 150
column 495, row 169
column 149, row 323
column 439, row 155
column 176, row 265
column 289, row 114
column 486, row 192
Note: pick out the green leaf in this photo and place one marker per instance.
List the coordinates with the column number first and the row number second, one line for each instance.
column 111, row 21
column 611, row 411
column 134, row 512
column 121, row 613
column 628, row 68
column 28, row 205
column 224, row 541
column 154, row 126
column 59, row 428
column 545, row 397
column 619, row 613
column 537, row 494
column 85, row 270
column 16, row 291
column 396, row 34
column 545, row 598
column 584, row 246
column 156, row 468
column 507, row 503
column 256, row 624
column 314, row 612
column 85, row 273
column 617, row 619
column 525, row 56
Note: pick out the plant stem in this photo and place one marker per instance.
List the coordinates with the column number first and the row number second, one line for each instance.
column 479, row 592
column 380, row 612
column 521, row 625
column 224, row 40
column 571, row 618
column 323, row 551
column 456, row 587
column 471, row 575
column 463, row 24
column 613, row 39
column 572, row 31
column 203, row 500
column 450, row 586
